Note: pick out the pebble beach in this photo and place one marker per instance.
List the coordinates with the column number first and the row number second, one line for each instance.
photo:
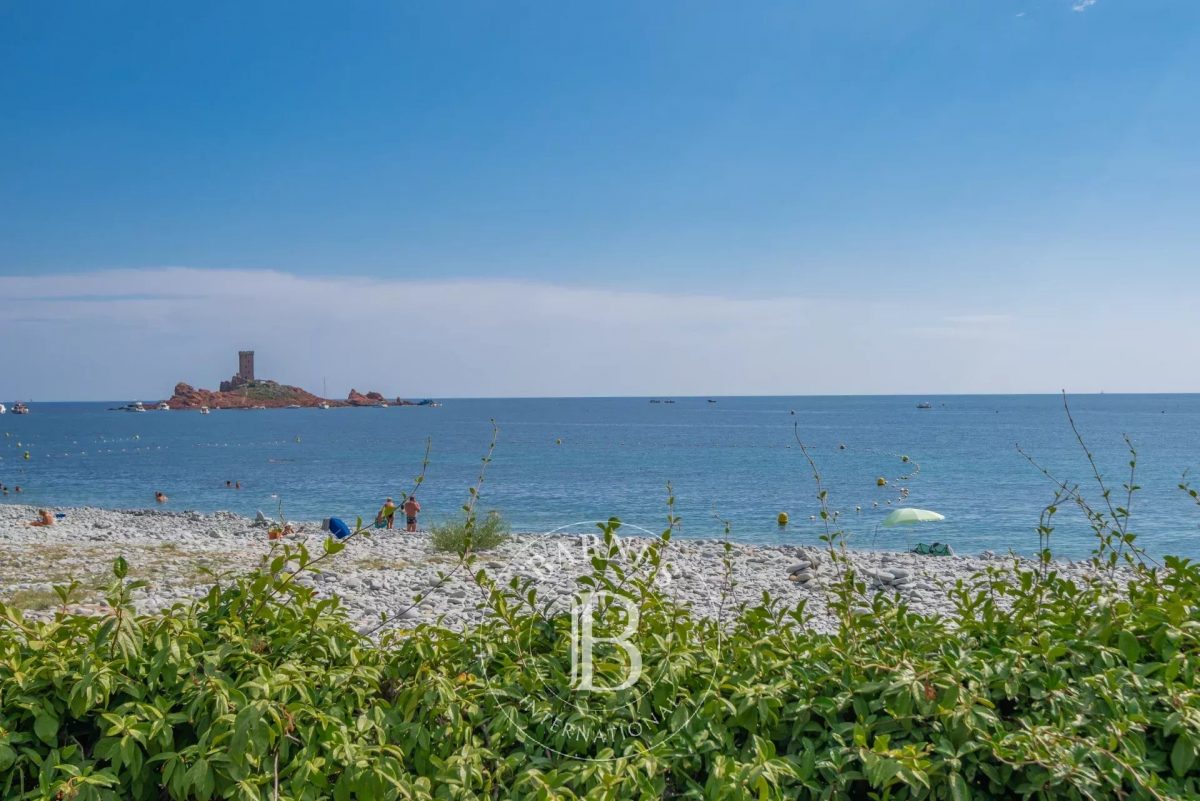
column 180, row 554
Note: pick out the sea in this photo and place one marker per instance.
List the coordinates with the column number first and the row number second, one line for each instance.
column 731, row 464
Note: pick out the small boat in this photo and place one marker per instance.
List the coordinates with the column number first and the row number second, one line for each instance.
column 323, row 405
column 3, row 408
column 382, row 404
column 655, row 400
column 710, row 400
column 137, row 406
column 20, row 408
column 203, row 410
column 294, row 406
column 924, row 405
column 258, row 407
column 163, row 407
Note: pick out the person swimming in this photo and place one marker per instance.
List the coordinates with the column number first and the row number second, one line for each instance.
column 160, row 497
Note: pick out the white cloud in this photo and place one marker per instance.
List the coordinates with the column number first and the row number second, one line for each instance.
column 129, row 334
column 1083, row 5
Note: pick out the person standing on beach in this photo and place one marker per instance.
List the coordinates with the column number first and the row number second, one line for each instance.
column 387, row 514
column 411, row 507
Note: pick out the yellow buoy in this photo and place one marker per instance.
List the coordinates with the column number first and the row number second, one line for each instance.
column 881, row 482
column 27, row 456
column 782, row 519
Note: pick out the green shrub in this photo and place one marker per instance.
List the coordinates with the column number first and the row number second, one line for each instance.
column 457, row 536
column 260, row 690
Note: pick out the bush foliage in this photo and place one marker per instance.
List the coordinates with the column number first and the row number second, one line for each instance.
column 467, row 534
column 1036, row 688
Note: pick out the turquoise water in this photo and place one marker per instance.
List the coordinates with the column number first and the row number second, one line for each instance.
column 561, row 462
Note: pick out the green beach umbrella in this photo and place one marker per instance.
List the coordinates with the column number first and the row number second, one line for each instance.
column 907, row 517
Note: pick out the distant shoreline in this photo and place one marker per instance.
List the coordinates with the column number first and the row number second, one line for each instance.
column 704, row 397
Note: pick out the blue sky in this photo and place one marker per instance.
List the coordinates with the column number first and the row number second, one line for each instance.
column 1025, row 162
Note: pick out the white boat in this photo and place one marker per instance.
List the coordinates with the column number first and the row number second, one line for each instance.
column 924, row 405
column 382, row 404
column 20, row 408
column 137, row 406
column 163, row 407
column 323, row 405
column 203, row 410
column 3, row 408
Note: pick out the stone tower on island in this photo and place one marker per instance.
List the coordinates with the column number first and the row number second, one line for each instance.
column 245, row 373
column 246, row 365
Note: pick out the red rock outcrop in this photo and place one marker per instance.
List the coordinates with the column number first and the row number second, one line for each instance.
column 258, row 393
column 355, row 398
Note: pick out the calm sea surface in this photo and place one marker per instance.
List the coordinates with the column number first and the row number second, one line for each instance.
column 563, row 462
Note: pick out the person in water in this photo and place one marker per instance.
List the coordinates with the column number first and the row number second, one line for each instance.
column 387, row 515
column 160, row 497
column 411, row 507
column 44, row 518
column 337, row 527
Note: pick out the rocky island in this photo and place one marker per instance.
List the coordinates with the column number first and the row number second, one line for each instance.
column 244, row 391
column 271, row 394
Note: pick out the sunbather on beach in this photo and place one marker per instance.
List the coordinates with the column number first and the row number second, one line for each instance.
column 44, row 518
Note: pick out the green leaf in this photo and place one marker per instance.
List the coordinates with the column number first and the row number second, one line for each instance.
column 45, row 726
column 958, row 788
column 120, row 567
column 1129, row 647
column 1183, row 755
